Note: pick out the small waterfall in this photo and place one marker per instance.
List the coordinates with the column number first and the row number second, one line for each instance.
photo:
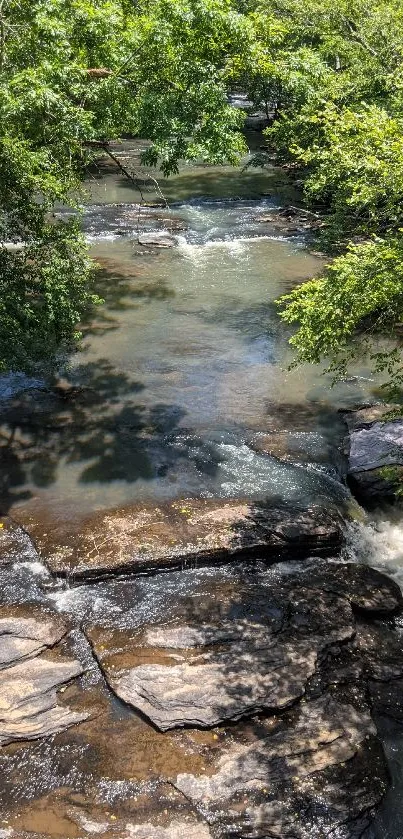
column 378, row 542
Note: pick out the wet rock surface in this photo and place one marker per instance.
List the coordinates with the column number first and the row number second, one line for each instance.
column 367, row 589
column 313, row 763
column 29, row 681
column 375, row 459
column 259, row 789
column 157, row 239
column 297, row 446
column 15, row 543
column 136, row 539
column 228, row 667
column 247, row 697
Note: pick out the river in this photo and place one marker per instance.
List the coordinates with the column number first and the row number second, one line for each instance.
column 184, row 369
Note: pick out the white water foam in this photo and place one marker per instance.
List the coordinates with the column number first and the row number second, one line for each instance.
column 37, row 568
column 378, row 543
column 198, row 253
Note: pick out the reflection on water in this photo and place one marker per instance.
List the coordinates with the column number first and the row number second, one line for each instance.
column 105, row 185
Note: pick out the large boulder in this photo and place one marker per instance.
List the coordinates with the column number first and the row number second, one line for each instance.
column 304, row 651
column 241, row 670
column 375, row 453
column 135, row 539
column 251, row 650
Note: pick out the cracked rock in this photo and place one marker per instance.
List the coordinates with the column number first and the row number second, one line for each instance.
column 283, row 783
column 140, row 538
column 185, row 675
column 28, row 681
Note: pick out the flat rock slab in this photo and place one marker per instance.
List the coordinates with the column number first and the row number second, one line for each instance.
column 367, row 589
column 260, row 648
column 284, row 783
column 25, row 632
column 222, row 686
column 28, row 700
column 184, row 674
column 136, row 539
column 28, row 681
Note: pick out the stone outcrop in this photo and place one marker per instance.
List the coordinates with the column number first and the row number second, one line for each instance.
column 225, row 670
column 135, row 539
column 261, row 788
column 375, row 453
column 303, row 651
column 205, row 672
column 29, row 681
column 258, row 684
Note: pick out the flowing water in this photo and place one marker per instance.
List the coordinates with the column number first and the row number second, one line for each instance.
column 187, row 360
column 181, row 373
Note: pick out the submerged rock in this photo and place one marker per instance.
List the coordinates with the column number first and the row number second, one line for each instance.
column 375, row 460
column 148, row 811
column 157, row 239
column 299, row 446
column 135, row 539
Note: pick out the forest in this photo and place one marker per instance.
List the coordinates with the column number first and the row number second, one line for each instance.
column 77, row 74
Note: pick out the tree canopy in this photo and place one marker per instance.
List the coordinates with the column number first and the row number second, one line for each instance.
column 74, row 73
column 341, row 127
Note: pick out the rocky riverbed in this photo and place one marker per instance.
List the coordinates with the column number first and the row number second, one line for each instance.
column 235, row 699
column 187, row 650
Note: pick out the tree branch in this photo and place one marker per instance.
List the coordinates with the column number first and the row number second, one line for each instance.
column 359, row 38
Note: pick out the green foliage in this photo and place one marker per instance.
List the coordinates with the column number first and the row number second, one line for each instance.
column 339, row 123
column 360, row 289
column 354, row 160
column 76, row 72
column 393, row 475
